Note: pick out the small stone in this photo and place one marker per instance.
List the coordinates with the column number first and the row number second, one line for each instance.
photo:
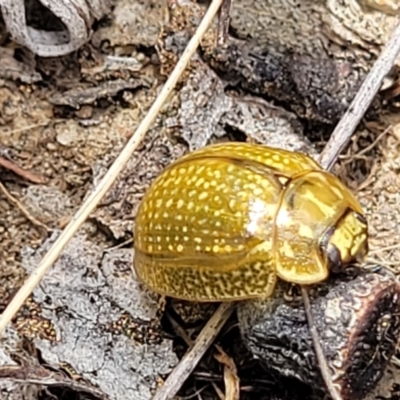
column 67, row 137
column 85, row 112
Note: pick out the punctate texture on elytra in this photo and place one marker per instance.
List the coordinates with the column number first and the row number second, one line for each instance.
column 224, row 222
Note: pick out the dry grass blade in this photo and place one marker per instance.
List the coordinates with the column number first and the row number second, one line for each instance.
column 189, row 361
column 339, row 139
column 368, row 90
column 92, row 201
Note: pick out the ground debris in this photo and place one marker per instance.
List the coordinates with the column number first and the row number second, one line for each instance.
column 78, row 97
column 10, row 344
column 207, row 113
column 134, row 23
column 358, row 309
column 313, row 61
column 11, row 68
column 83, row 297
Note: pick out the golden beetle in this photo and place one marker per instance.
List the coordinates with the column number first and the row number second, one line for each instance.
column 223, row 222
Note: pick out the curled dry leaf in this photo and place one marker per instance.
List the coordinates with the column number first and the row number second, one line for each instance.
column 231, row 378
column 75, row 27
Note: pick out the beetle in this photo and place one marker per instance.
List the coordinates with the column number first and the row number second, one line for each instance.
column 222, row 223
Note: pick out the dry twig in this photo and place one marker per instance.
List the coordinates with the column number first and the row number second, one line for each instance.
column 223, row 22
column 30, row 373
column 319, row 352
column 179, row 330
column 109, row 178
column 24, row 173
column 189, row 361
column 338, row 141
column 357, row 156
column 24, row 211
column 368, row 90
